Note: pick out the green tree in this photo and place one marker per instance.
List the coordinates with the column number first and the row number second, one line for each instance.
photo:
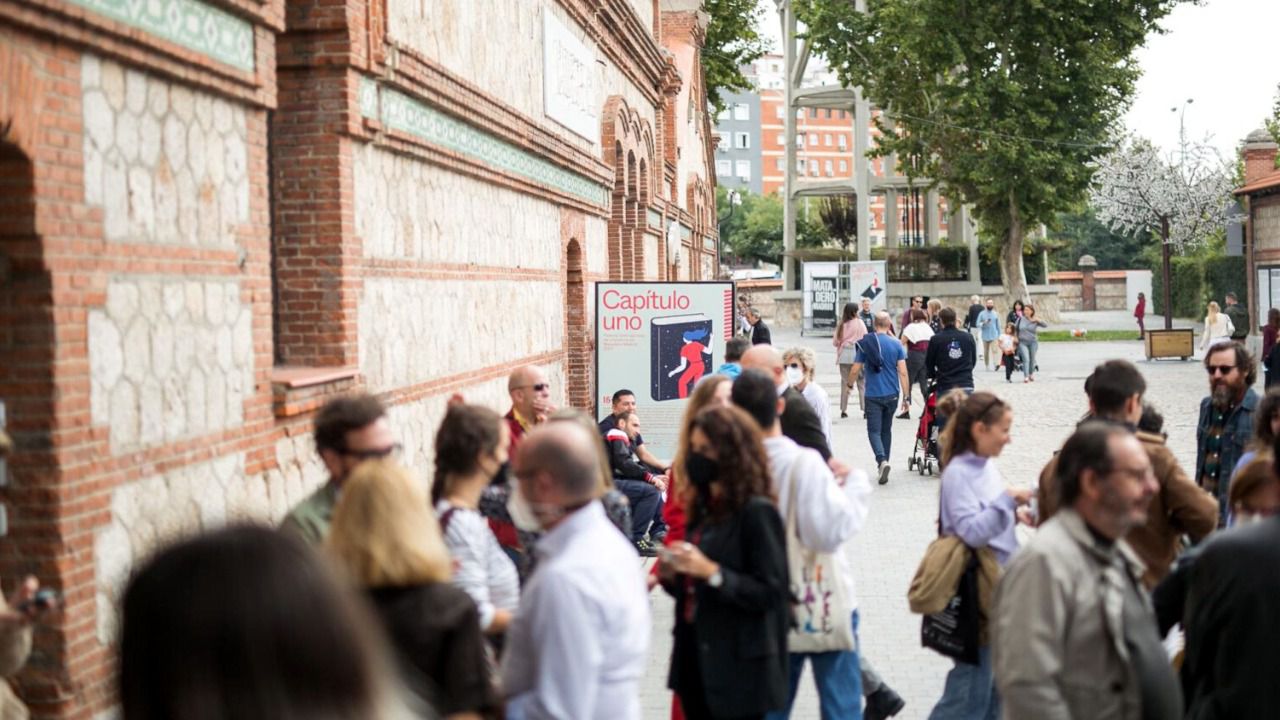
column 1273, row 123
column 732, row 42
column 1004, row 104
column 754, row 232
column 839, row 215
column 1081, row 233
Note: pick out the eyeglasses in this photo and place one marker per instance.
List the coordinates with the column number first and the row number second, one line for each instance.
column 1219, row 369
column 392, row 450
column 540, row 387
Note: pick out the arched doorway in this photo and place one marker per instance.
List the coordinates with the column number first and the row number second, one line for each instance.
column 577, row 333
column 27, row 345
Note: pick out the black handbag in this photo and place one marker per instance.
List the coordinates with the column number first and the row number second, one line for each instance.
column 954, row 631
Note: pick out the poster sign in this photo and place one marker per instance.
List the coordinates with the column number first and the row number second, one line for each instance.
column 657, row 340
column 822, row 303
column 867, row 280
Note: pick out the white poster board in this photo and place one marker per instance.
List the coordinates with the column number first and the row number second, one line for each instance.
column 657, row 339
column 826, row 297
column 869, row 280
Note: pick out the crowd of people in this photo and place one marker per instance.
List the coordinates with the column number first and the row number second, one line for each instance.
column 508, row 582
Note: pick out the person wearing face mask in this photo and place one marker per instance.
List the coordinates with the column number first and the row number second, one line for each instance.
column 578, row 645
column 470, row 452
column 989, row 331
column 348, row 430
column 1226, row 418
column 1178, row 509
column 799, row 363
column 729, row 579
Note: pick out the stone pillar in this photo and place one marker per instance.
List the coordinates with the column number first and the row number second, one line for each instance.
column 861, row 170
column 970, row 236
column 931, row 224
column 1088, row 294
column 891, row 219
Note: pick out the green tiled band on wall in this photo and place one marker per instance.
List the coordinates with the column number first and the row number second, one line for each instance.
column 190, row 23
column 398, row 111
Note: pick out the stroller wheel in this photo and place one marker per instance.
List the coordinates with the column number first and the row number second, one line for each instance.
column 911, row 463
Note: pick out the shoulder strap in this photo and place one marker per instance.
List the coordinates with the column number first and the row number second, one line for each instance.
column 445, row 518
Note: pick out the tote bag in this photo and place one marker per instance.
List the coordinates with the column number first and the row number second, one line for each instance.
column 953, row 632
column 823, row 620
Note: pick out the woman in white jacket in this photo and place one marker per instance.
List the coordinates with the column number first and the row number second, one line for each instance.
column 1217, row 327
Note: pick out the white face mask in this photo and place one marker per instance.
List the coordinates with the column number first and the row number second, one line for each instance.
column 795, row 376
column 522, row 515
column 1245, row 518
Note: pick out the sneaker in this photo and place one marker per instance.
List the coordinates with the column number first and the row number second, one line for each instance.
column 904, row 416
column 658, row 540
column 843, row 415
column 884, row 473
column 882, row 704
column 646, row 548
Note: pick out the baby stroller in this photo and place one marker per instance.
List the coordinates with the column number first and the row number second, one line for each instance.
column 924, row 455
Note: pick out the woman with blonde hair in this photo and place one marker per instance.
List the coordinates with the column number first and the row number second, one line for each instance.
column 386, row 539
column 1217, row 326
column 799, row 364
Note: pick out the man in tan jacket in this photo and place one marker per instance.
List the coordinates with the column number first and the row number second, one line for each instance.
column 1179, row 507
column 1074, row 636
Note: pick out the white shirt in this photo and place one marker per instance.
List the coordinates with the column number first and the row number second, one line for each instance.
column 821, row 402
column 827, row 515
column 480, row 567
column 578, row 646
column 917, row 332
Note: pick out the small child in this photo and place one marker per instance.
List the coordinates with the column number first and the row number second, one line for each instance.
column 1152, row 421
column 1008, row 343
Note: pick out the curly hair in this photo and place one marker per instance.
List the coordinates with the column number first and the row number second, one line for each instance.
column 743, row 464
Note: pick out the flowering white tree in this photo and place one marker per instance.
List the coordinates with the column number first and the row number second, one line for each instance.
column 1181, row 200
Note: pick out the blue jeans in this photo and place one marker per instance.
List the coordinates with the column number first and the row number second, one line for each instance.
column 1027, row 351
column 970, row 692
column 838, row 678
column 880, row 424
column 646, row 506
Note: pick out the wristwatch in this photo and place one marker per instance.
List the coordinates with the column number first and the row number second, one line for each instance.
column 716, row 579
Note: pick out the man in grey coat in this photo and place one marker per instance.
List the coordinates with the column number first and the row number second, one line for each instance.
column 1074, row 636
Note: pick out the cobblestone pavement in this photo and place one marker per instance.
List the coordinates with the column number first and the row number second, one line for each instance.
column 903, row 512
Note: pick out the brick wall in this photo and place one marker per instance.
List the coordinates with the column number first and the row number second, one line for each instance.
column 201, row 240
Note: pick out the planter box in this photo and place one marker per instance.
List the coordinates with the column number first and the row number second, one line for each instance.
column 1176, row 343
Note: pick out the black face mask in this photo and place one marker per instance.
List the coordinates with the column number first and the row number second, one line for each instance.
column 701, row 470
column 502, row 474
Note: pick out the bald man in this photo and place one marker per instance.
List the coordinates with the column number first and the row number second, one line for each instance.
column 799, row 421
column 530, row 401
column 578, row 645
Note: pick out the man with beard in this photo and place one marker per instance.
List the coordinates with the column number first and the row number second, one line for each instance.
column 1226, row 418
column 1073, row 632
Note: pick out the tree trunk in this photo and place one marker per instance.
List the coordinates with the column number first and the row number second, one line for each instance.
column 1012, row 274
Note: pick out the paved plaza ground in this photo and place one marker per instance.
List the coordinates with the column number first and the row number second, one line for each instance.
column 903, row 513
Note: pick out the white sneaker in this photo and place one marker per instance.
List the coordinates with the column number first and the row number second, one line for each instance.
column 884, row 473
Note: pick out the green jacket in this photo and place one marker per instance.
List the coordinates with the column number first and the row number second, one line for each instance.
column 310, row 519
column 1239, row 320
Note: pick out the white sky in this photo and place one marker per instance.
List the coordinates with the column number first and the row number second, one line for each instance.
column 1221, row 54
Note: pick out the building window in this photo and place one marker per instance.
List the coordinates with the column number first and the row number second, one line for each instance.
column 780, row 112
column 844, row 166
column 826, row 139
column 724, row 114
column 829, row 168
column 742, row 140
column 743, row 170
column 723, row 143
column 782, row 140
column 800, row 164
column 813, row 168
column 827, row 113
column 841, row 142
column 780, row 164
column 741, row 112
column 799, row 140
column 723, row 168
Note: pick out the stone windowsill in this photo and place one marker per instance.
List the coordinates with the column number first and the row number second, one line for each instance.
column 296, row 390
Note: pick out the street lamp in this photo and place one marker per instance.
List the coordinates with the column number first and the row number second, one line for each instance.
column 1182, row 127
column 735, row 199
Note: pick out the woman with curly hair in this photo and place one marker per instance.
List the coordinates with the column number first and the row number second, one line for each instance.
column 730, row 578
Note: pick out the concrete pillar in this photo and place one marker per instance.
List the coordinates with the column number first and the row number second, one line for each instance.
column 861, row 170
column 931, row 223
column 891, row 218
column 789, row 174
column 970, row 236
column 1088, row 291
